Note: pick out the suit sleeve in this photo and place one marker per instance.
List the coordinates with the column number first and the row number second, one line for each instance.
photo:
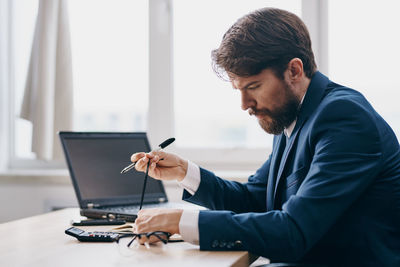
column 218, row 194
column 346, row 149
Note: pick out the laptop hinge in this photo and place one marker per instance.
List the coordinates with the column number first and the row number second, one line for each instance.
column 91, row 205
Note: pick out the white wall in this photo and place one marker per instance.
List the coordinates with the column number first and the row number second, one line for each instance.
column 23, row 196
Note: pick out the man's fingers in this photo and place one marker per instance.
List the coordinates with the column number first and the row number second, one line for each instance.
column 142, row 240
column 150, row 240
column 153, row 167
column 141, row 164
column 135, row 157
column 155, row 159
column 160, row 154
column 141, row 221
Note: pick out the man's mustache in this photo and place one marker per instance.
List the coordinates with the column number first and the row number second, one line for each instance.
column 255, row 112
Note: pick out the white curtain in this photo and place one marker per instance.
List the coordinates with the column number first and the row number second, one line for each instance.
column 48, row 100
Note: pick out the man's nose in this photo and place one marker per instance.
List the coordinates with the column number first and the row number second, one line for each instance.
column 247, row 101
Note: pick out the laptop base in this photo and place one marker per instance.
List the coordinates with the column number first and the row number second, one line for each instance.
column 101, row 214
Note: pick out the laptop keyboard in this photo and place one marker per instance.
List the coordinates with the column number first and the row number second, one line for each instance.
column 135, row 209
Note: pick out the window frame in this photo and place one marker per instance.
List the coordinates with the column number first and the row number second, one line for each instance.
column 161, row 90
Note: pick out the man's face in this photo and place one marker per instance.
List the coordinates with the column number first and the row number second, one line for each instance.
column 269, row 98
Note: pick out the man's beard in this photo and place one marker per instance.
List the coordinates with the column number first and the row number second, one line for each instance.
column 282, row 117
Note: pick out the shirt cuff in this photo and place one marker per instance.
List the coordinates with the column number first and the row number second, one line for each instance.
column 191, row 182
column 189, row 226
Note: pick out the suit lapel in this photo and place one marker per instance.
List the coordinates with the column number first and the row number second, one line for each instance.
column 276, row 159
column 284, row 157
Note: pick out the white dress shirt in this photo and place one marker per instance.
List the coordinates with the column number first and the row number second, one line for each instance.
column 188, row 225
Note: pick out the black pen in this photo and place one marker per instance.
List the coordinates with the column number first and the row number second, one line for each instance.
column 160, row 146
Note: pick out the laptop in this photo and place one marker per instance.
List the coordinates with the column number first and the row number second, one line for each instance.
column 95, row 160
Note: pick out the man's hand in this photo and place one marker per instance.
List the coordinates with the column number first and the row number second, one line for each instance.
column 163, row 166
column 150, row 220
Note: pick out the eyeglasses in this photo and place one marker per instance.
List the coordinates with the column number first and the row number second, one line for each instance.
column 127, row 246
column 162, row 236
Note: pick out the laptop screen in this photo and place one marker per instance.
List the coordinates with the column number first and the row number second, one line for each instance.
column 95, row 161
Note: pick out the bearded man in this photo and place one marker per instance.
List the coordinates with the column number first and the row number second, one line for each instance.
column 328, row 194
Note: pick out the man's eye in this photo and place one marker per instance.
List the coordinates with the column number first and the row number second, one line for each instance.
column 253, row 87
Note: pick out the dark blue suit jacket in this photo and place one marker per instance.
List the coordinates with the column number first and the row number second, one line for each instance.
column 332, row 197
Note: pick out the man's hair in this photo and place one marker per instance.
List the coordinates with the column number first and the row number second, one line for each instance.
column 266, row 38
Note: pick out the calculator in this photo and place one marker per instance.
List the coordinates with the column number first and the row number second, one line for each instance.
column 96, row 236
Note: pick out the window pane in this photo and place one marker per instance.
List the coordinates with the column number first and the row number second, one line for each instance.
column 207, row 109
column 363, row 52
column 110, row 64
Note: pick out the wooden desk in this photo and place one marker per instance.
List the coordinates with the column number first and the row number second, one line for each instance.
column 41, row 241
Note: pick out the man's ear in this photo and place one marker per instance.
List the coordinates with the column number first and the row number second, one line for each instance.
column 295, row 69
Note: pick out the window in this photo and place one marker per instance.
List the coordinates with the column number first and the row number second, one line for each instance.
column 110, row 64
column 363, row 52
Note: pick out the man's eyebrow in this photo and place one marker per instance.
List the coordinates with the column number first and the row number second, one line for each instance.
column 249, row 84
